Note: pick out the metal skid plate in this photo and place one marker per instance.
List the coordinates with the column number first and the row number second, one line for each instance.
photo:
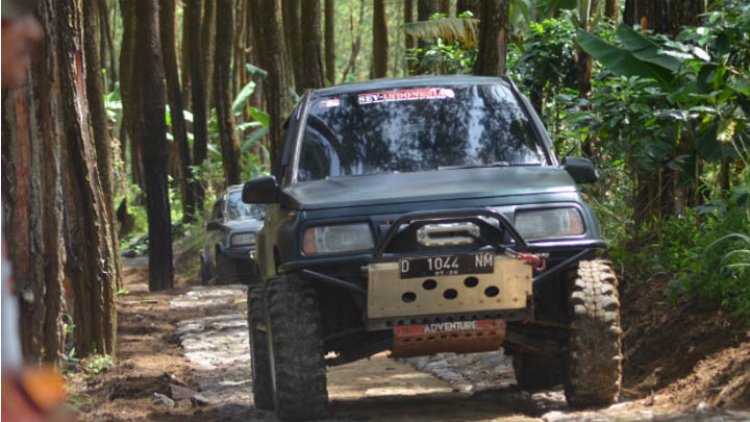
column 460, row 337
column 389, row 296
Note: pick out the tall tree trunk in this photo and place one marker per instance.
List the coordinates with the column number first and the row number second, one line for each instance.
column 291, row 15
column 179, row 127
column 664, row 17
column 91, row 264
column 198, row 95
column 612, row 10
column 585, row 62
column 239, row 78
column 230, row 145
column 268, row 27
column 410, row 65
column 99, row 124
column 185, row 57
column 492, row 38
column 379, row 41
column 330, row 42
column 107, row 44
column 150, row 77
column 130, row 99
column 312, row 77
column 208, row 43
column 32, row 212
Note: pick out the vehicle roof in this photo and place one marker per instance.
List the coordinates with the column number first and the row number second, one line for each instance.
column 380, row 84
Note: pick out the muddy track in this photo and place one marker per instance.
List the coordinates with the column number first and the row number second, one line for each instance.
column 445, row 387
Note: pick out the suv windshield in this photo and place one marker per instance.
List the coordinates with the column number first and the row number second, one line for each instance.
column 238, row 210
column 416, row 129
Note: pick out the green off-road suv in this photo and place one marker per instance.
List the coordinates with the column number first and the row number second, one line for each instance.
column 422, row 216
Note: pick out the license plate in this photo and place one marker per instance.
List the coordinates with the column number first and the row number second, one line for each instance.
column 444, row 265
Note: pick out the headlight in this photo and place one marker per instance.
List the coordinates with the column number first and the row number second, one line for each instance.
column 242, row 239
column 338, row 238
column 549, row 223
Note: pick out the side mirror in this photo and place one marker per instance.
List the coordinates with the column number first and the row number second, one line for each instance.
column 263, row 190
column 580, row 169
column 213, row 226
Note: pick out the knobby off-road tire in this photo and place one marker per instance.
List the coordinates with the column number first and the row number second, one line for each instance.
column 538, row 372
column 297, row 340
column 226, row 270
column 595, row 353
column 259, row 357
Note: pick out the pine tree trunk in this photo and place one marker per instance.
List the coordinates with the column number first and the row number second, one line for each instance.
column 312, row 63
column 239, row 78
column 268, row 27
column 179, row 127
column 427, row 8
column 492, row 38
column 91, row 263
column 32, row 200
column 664, row 17
column 107, row 44
column 330, row 42
column 130, row 100
column 230, row 148
column 198, row 96
column 293, row 38
column 612, row 10
column 473, row 6
column 379, row 41
column 185, row 58
column 150, row 76
column 411, row 65
column 99, row 124
column 208, row 44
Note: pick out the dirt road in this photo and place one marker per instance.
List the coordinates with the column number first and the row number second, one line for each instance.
column 446, row 387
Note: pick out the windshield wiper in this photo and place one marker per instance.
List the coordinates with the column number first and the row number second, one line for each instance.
column 493, row 164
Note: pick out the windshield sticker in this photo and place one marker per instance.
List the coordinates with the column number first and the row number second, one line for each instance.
column 406, row 95
column 332, row 103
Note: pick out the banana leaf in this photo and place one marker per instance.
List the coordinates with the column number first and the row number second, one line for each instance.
column 450, row 29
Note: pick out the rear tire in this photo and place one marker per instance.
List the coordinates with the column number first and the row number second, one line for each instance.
column 538, row 372
column 297, row 349
column 595, row 354
column 259, row 357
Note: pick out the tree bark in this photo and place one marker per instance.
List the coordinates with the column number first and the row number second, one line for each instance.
column 91, row 263
column 268, row 27
column 185, row 57
column 150, row 77
column 99, row 122
column 312, row 77
column 492, row 38
column 239, row 78
column 130, row 100
column 612, row 10
column 293, row 38
column 208, row 43
column 32, row 200
column 179, row 127
column 230, row 145
column 351, row 66
column 664, row 16
column 330, row 41
column 198, row 96
column 379, row 41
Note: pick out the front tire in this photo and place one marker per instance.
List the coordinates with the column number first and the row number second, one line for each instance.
column 595, row 354
column 259, row 356
column 297, row 348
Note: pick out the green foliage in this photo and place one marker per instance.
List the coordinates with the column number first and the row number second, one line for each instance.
column 97, row 364
column 708, row 250
column 451, row 50
column 445, row 29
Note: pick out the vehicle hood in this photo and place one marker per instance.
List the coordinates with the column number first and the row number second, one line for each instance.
column 402, row 188
column 245, row 225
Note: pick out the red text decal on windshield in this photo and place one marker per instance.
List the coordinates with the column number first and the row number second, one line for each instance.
column 406, row 95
